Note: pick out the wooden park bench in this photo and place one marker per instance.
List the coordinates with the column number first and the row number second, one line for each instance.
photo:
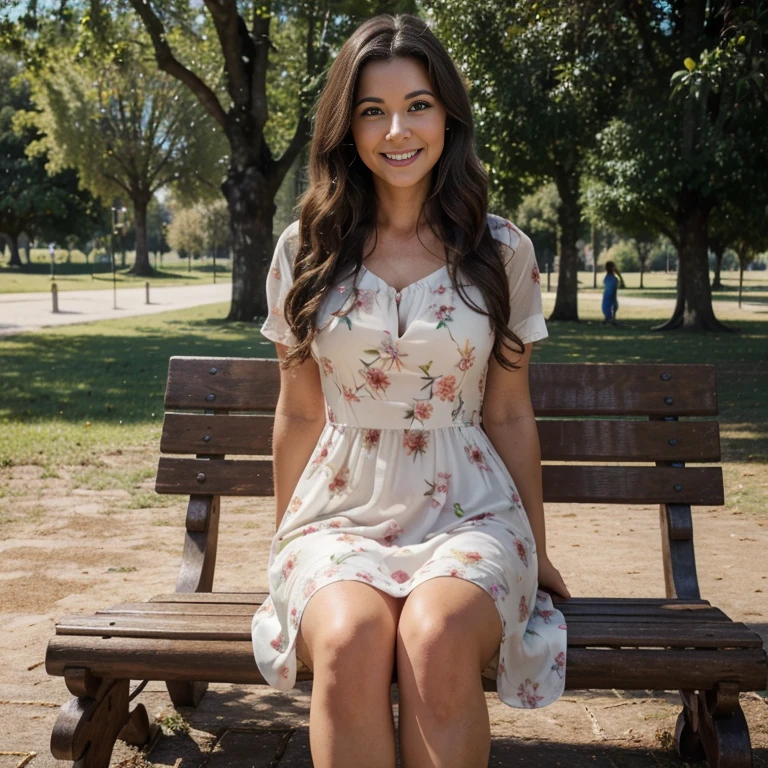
column 590, row 418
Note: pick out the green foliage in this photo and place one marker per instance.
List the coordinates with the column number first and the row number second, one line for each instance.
column 624, row 255
column 200, row 230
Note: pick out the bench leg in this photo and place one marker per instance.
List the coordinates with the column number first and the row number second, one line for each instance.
column 89, row 724
column 712, row 724
column 186, row 693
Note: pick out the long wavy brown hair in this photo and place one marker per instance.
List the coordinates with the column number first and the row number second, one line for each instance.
column 338, row 210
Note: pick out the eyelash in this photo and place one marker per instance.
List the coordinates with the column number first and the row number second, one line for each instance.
column 365, row 112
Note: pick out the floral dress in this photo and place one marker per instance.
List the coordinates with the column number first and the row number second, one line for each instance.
column 404, row 485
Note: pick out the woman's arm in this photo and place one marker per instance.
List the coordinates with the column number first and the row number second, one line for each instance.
column 299, row 420
column 509, row 422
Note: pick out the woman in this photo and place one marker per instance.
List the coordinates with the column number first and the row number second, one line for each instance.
column 404, row 315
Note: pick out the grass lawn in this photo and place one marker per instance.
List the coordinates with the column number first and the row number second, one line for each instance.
column 77, row 275
column 78, row 392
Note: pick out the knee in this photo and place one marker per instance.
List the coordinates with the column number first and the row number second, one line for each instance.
column 346, row 643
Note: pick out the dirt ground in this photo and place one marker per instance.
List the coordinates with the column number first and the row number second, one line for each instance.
column 68, row 550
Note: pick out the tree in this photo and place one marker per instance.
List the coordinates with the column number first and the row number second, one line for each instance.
column 31, row 201
column 545, row 78
column 686, row 137
column 128, row 129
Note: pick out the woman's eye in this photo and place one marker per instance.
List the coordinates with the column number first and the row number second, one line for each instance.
column 421, row 104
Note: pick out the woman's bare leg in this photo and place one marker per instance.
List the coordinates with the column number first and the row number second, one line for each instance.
column 347, row 637
column 449, row 629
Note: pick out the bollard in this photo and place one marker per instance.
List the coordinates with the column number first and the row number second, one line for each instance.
column 146, row 286
column 55, row 297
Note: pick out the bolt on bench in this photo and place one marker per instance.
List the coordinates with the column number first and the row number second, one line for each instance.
column 593, row 415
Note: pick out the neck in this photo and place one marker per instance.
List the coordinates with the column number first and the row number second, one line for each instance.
column 398, row 209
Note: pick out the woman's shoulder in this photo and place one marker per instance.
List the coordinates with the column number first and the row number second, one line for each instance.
column 507, row 233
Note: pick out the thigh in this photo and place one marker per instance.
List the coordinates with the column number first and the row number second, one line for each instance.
column 452, row 612
column 343, row 611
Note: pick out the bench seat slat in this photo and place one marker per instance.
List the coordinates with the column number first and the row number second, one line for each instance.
column 589, row 440
column 611, row 631
column 562, row 484
column 557, row 389
column 232, row 662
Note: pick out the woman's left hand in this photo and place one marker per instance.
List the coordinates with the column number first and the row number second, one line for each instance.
column 550, row 578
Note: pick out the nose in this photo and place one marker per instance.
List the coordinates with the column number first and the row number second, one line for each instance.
column 399, row 128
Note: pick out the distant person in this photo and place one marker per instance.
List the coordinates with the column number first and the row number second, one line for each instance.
column 610, row 293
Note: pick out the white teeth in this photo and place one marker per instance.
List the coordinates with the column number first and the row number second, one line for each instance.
column 402, row 157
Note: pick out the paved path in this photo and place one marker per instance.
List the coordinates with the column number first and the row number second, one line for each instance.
column 21, row 312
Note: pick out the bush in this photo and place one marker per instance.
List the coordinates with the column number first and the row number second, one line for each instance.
column 623, row 254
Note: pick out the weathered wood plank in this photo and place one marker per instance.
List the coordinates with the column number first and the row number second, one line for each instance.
column 610, row 632
column 588, row 440
column 569, row 484
column 557, row 389
column 232, row 662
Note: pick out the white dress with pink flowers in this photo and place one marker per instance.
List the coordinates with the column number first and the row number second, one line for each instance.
column 404, row 484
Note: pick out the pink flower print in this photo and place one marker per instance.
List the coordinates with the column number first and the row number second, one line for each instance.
column 481, row 383
column 524, row 612
column 276, row 310
column 294, row 617
column 342, row 289
column 535, row 274
column 288, row 567
column 527, row 694
column 284, row 672
column 376, row 379
column 348, row 537
column 497, row 591
column 422, row 410
column 327, row 366
column 276, row 272
column 392, row 533
column 468, row 558
column 390, row 351
column 516, row 499
column 331, row 416
column 546, row 615
column 308, row 529
column 340, row 481
column 440, row 290
column 559, row 665
column 442, row 312
column 349, row 394
column 335, row 523
column 443, row 487
column 456, row 572
column 415, row 441
column 400, row 576
column 371, row 438
column 365, row 576
column 445, row 388
column 522, row 552
column 310, row 587
column 294, row 506
column 502, row 668
column 476, row 456
column 467, row 357
column 277, row 642
column 323, row 453
column 364, row 299
column 562, row 626
column 331, row 570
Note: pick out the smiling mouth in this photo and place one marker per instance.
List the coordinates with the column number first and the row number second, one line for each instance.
column 400, row 157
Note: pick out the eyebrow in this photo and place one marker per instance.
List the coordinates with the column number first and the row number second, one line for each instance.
column 411, row 95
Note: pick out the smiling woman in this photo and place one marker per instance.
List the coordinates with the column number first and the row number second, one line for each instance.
column 407, row 464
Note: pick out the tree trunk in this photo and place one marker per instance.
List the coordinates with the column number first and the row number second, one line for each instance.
column 141, row 267
column 719, row 250
column 693, row 310
column 569, row 224
column 251, row 214
column 13, row 242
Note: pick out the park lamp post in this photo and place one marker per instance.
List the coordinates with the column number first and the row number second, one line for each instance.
column 118, row 228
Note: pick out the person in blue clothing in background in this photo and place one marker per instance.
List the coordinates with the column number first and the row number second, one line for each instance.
column 611, row 284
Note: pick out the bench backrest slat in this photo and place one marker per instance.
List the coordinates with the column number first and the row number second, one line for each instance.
column 585, row 440
column 232, row 384
column 562, row 483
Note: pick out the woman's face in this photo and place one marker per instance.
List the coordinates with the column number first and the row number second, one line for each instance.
column 394, row 113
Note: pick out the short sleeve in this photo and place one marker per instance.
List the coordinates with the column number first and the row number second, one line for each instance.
column 279, row 281
column 526, row 317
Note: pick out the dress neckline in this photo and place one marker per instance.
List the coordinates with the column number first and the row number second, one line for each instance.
column 414, row 284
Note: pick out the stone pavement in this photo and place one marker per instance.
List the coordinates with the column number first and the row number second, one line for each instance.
column 21, row 312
